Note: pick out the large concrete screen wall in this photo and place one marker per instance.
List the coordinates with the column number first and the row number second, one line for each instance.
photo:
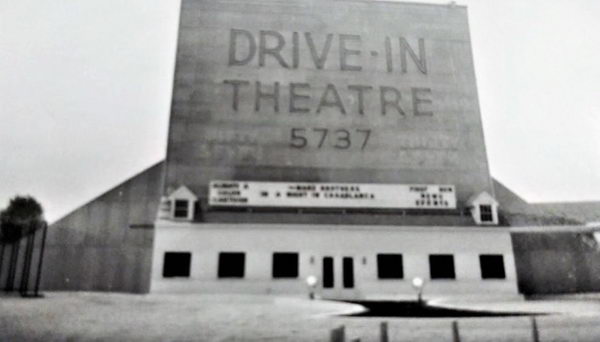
column 329, row 91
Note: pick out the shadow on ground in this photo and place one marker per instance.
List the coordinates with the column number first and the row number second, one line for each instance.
column 415, row 309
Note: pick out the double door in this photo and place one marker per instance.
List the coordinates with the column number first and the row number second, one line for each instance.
column 338, row 279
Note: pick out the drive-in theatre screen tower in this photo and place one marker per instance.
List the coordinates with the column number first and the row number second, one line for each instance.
column 334, row 139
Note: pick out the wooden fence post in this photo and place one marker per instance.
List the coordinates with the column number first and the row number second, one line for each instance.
column 12, row 267
column 24, row 287
column 383, row 332
column 455, row 332
column 2, row 244
column 40, row 261
column 535, row 334
column 338, row 334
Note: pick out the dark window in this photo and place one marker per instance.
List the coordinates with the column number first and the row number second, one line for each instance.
column 492, row 266
column 348, row 267
column 231, row 264
column 285, row 265
column 177, row 264
column 389, row 266
column 441, row 266
column 485, row 213
column 328, row 278
column 181, row 208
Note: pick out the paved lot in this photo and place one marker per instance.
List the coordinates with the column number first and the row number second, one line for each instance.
column 99, row 316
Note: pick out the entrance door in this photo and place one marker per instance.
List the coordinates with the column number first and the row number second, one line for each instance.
column 342, row 269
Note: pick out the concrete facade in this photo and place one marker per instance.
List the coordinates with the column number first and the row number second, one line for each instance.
column 241, row 111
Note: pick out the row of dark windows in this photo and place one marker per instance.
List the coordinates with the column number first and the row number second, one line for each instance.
column 231, row 265
column 285, row 265
column 441, row 266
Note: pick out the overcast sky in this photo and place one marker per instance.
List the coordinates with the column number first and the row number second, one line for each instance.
column 85, row 90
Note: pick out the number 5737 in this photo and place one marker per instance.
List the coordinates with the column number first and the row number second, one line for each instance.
column 341, row 138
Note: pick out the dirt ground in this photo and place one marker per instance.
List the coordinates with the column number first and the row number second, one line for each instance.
column 77, row 316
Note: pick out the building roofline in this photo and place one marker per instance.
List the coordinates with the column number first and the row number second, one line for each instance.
column 128, row 179
column 428, row 4
column 569, row 202
column 555, row 229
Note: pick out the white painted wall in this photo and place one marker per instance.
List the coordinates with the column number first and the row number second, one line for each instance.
column 362, row 243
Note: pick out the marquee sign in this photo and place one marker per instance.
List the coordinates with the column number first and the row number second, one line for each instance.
column 331, row 195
